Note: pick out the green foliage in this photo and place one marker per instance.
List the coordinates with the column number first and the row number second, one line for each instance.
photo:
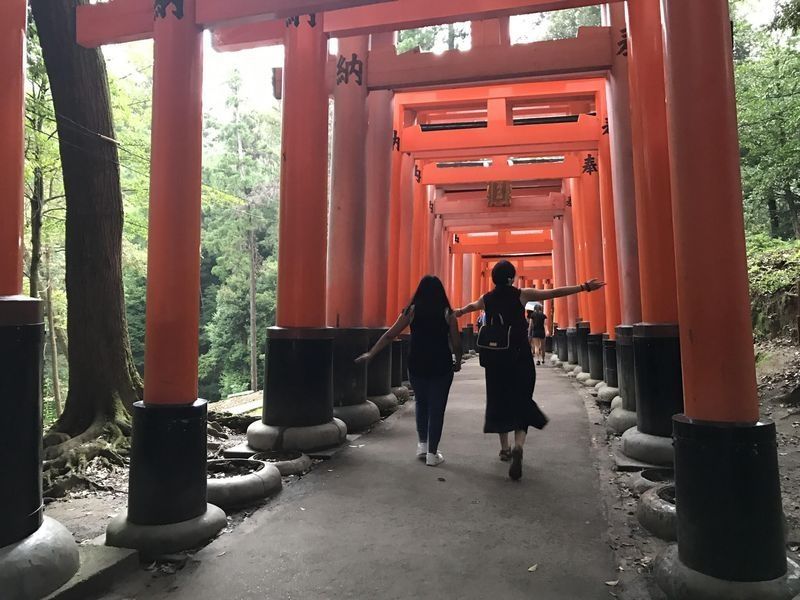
column 768, row 97
column 438, row 37
column 788, row 16
column 240, row 204
column 773, row 265
column 565, row 23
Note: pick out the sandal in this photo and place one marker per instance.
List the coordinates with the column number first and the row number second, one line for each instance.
column 505, row 455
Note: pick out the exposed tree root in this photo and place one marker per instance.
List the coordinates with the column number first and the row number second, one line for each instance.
column 104, row 444
column 238, row 423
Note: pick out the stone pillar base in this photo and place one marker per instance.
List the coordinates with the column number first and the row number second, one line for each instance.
column 607, row 394
column 568, row 367
column 652, row 449
column 620, row 420
column 618, row 402
column 402, row 394
column 590, row 383
column 386, row 403
column 156, row 540
column 38, row 564
column 679, row 582
column 583, row 377
column 358, row 417
column 305, row 439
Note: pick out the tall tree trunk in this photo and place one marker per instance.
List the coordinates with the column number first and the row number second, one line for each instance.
column 793, row 200
column 51, row 338
column 102, row 377
column 253, row 251
column 37, row 205
column 772, row 212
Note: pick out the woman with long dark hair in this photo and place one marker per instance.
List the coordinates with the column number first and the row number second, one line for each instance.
column 434, row 341
column 510, row 380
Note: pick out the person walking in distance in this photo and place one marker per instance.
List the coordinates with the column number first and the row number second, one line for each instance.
column 434, row 355
column 536, row 332
column 510, row 373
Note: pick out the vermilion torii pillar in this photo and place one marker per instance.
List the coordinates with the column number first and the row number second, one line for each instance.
column 582, row 327
column 37, row 554
column 610, row 390
column 406, row 228
column 655, row 341
column 572, row 301
column 475, row 292
column 168, row 456
column 589, row 199
column 623, row 415
column 347, row 276
column 347, row 220
column 298, row 395
column 379, row 184
column 730, row 522
column 559, row 277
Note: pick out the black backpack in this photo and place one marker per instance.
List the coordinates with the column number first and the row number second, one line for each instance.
column 494, row 342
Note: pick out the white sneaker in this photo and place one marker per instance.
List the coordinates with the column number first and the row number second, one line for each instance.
column 422, row 450
column 434, row 460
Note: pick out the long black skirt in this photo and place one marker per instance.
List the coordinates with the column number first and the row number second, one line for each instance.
column 509, row 395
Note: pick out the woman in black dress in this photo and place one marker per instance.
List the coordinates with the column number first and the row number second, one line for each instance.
column 434, row 341
column 509, row 384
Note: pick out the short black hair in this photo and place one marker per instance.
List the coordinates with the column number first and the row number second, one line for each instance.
column 503, row 273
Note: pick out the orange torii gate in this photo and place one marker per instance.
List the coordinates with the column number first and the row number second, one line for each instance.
column 501, row 168
column 682, row 144
column 174, row 237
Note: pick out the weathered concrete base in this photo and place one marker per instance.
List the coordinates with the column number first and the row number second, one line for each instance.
column 305, row 439
column 387, row 403
column 241, row 490
column 647, row 448
column 156, row 540
column 294, row 466
column 554, row 360
column 616, row 402
column 656, row 514
column 600, row 385
column 575, row 372
column 606, row 394
column 583, row 377
column 101, row 567
column 650, row 478
column 626, row 463
column 38, row 564
column 679, row 582
column 402, row 394
column 590, row 383
column 358, row 417
column 621, row 420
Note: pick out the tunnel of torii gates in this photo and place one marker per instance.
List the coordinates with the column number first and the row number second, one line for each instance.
column 616, row 157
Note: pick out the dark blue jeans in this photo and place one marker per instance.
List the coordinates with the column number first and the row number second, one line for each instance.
column 431, row 394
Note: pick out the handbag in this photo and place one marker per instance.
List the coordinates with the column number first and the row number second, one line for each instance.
column 494, row 342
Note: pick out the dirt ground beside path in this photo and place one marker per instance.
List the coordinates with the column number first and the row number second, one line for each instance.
column 778, row 375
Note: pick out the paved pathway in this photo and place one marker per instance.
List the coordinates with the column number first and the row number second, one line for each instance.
column 374, row 523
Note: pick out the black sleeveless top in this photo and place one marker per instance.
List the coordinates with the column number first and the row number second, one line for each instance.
column 504, row 301
column 430, row 353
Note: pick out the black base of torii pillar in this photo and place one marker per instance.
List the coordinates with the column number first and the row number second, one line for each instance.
column 298, row 393
column 37, row 554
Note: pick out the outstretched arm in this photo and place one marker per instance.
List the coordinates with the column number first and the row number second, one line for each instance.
column 533, row 295
column 471, row 307
column 402, row 322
